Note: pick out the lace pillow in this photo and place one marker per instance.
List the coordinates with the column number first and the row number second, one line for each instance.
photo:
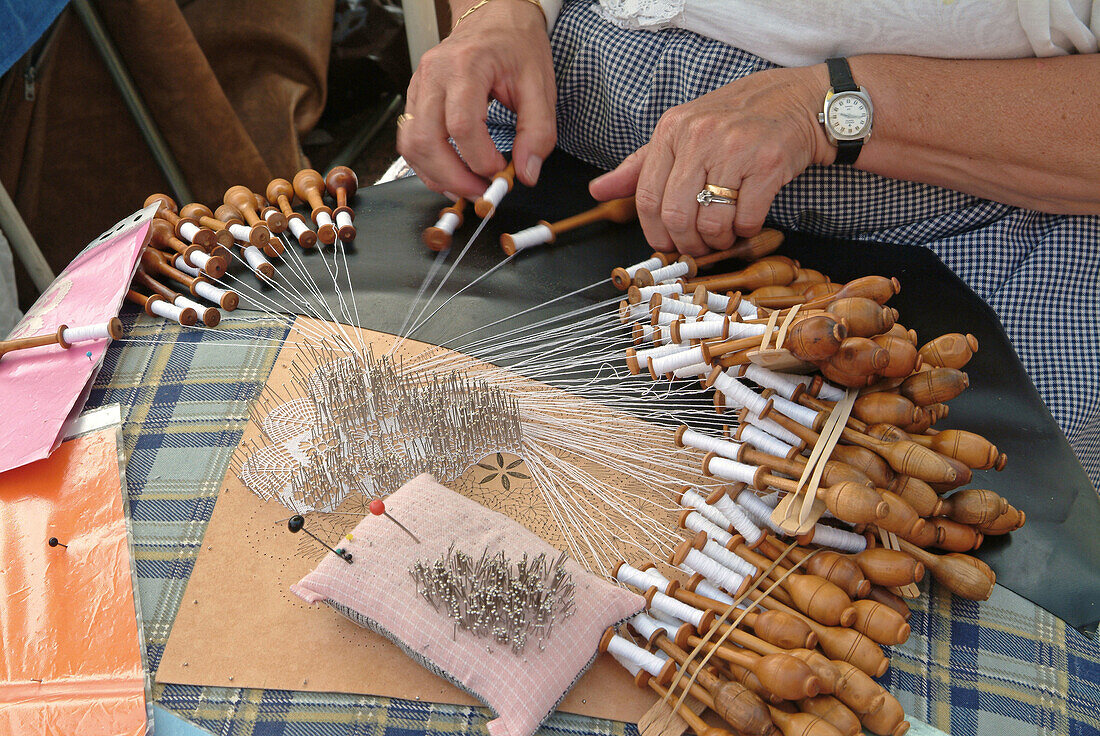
column 520, row 659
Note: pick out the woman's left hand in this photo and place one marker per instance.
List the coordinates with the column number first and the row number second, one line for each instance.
column 753, row 135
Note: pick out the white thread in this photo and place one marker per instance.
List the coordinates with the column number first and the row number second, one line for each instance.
column 200, row 259
column 186, row 267
column 839, row 539
column 801, row 414
column 323, row 219
column 771, row 500
column 271, row 215
column 675, row 306
column 637, row 312
column 708, row 589
column 343, row 219
column 785, row 384
column 665, row 618
column 209, row 291
column 676, row 608
column 773, row 428
column 182, row 301
column 745, row 329
column 166, row 310
column 240, row 232
column 532, row 236
column 625, row 650
column 665, row 319
column 728, row 559
column 657, row 351
column 86, row 332
column 720, row 575
column 629, row 666
column 189, row 230
column 693, row 500
column 717, row 302
column 639, row 578
column 739, row 519
column 696, row 522
column 298, row 227
column 646, row 292
column 649, row 264
column 255, row 258
column 647, row 626
column 764, row 442
column 495, row 192
column 738, row 394
column 670, row 362
column 692, row 371
column 757, row 510
column 747, row 310
column 700, row 330
column 650, row 333
column 670, row 272
column 709, row 443
column 713, row 317
column 655, row 575
column 731, row 470
column 829, row 392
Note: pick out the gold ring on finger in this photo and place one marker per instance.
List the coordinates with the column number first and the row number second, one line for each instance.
column 712, row 193
column 403, row 118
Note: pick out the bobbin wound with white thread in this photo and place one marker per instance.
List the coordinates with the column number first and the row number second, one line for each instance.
column 686, row 437
column 695, row 370
column 746, row 329
column 627, row 651
column 757, row 510
column 771, row 427
column 833, row 538
column 801, row 414
column 732, row 470
column 708, row 567
column 636, row 294
column 722, row 555
column 512, row 243
column 672, row 305
column 738, row 394
column 737, row 517
column 625, row 573
column 633, row 312
column 494, row 193
column 702, row 586
column 258, row 262
column 650, row 628
column 226, row 299
column 668, row 605
column 684, row 331
column 681, row 268
column 787, row 385
column 669, row 362
column 690, row 499
column 750, row 434
column 694, row 521
column 635, row 359
column 621, row 278
column 112, row 328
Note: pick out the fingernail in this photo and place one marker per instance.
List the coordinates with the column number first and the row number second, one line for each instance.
column 534, row 165
column 451, row 196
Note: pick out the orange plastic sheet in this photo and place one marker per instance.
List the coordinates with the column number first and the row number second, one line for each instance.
column 72, row 652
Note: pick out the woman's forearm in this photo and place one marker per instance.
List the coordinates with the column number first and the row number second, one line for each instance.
column 1021, row 131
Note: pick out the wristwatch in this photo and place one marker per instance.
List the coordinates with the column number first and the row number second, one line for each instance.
column 848, row 112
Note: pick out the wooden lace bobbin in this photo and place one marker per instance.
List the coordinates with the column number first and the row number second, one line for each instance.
column 643, row 294
column 763, row 442
column 615, row 210
column 751, row 248
column 889, row 720
column 244, row 202
column 721, row 303
column 700, row 620
column 807, row 277
column 683, row 267
column 671, row 304
column 493, row 195
column 857, row 356
column 834, row 567
column 839, row 643
column 162, row 237
column 951, row 536
column 885, row 408
column 888, row 598
column 643, row 335
column 438, row 237
column 788, row 677
column 205, row 217
column 209, row 316
column 64, row 336
column 849, row 684
column 626, row 651
column 698, row 726
column 969, row 578
column 1009, row 521
column 775, row 627
column 835, row 472
column 878, row 288
column 154, row 261
column 342, row 184
column 889, row 568
column 776, row 297
column 832, row 710
column 952, row 350
column 623, row 276
column 185, row 228
column 271, row 215
column 865, row 317
column 685, row 330
column 918, row 494
column 765, row 272
column 936, row 385
column 157, row 306
column 816, row 338
column 253, row 256
column 309, row 185
column 688, row 553
column 244, row 235
column 801, row 724
column 902, row 356
column 281, row 192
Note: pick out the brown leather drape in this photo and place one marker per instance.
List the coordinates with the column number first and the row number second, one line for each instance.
column 231, row 84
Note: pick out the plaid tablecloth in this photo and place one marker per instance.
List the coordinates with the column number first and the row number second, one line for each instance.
column 998, row 668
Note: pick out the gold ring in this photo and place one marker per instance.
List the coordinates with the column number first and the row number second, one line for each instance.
column 403, row 118
column 714, row 193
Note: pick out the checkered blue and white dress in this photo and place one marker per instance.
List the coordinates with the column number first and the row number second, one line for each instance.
column 1039, row 272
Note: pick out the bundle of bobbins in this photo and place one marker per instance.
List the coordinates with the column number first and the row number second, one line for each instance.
column 828, row 498
column 192, row 247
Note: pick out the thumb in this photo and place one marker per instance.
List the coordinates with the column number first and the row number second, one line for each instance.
column 622, row 180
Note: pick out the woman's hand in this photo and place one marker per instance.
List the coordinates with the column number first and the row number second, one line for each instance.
column 753, row 135
column 499, row 51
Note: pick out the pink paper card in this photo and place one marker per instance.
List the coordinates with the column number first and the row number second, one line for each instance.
column 40, row 387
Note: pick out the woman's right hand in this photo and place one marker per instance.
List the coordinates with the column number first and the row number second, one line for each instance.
column 500, row 51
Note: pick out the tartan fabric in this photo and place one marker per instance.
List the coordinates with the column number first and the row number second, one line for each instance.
column 1039, row 272
column 999, row 668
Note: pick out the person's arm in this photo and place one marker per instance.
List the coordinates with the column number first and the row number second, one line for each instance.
column 1022, row 131
column 501, row 51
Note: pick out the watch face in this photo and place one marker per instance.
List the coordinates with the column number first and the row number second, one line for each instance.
column 848, row 116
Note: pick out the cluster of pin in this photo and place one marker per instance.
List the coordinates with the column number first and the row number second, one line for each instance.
column 494, row 597
column 356, row 423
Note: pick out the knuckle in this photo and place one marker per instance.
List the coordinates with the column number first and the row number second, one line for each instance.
column 647, row 202
column 676, row 218
column 712, row 229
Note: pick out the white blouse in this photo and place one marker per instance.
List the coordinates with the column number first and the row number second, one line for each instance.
column 804, row 32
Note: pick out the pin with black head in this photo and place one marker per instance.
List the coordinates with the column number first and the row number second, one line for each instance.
column 54, row 543
column 297, row 523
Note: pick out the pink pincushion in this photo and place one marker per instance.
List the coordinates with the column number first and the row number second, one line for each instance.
column 378, row 591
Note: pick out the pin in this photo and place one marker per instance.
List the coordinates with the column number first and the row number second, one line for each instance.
column 378, row 508
column 297, row 523
column 54, row 543
column 89, row 354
